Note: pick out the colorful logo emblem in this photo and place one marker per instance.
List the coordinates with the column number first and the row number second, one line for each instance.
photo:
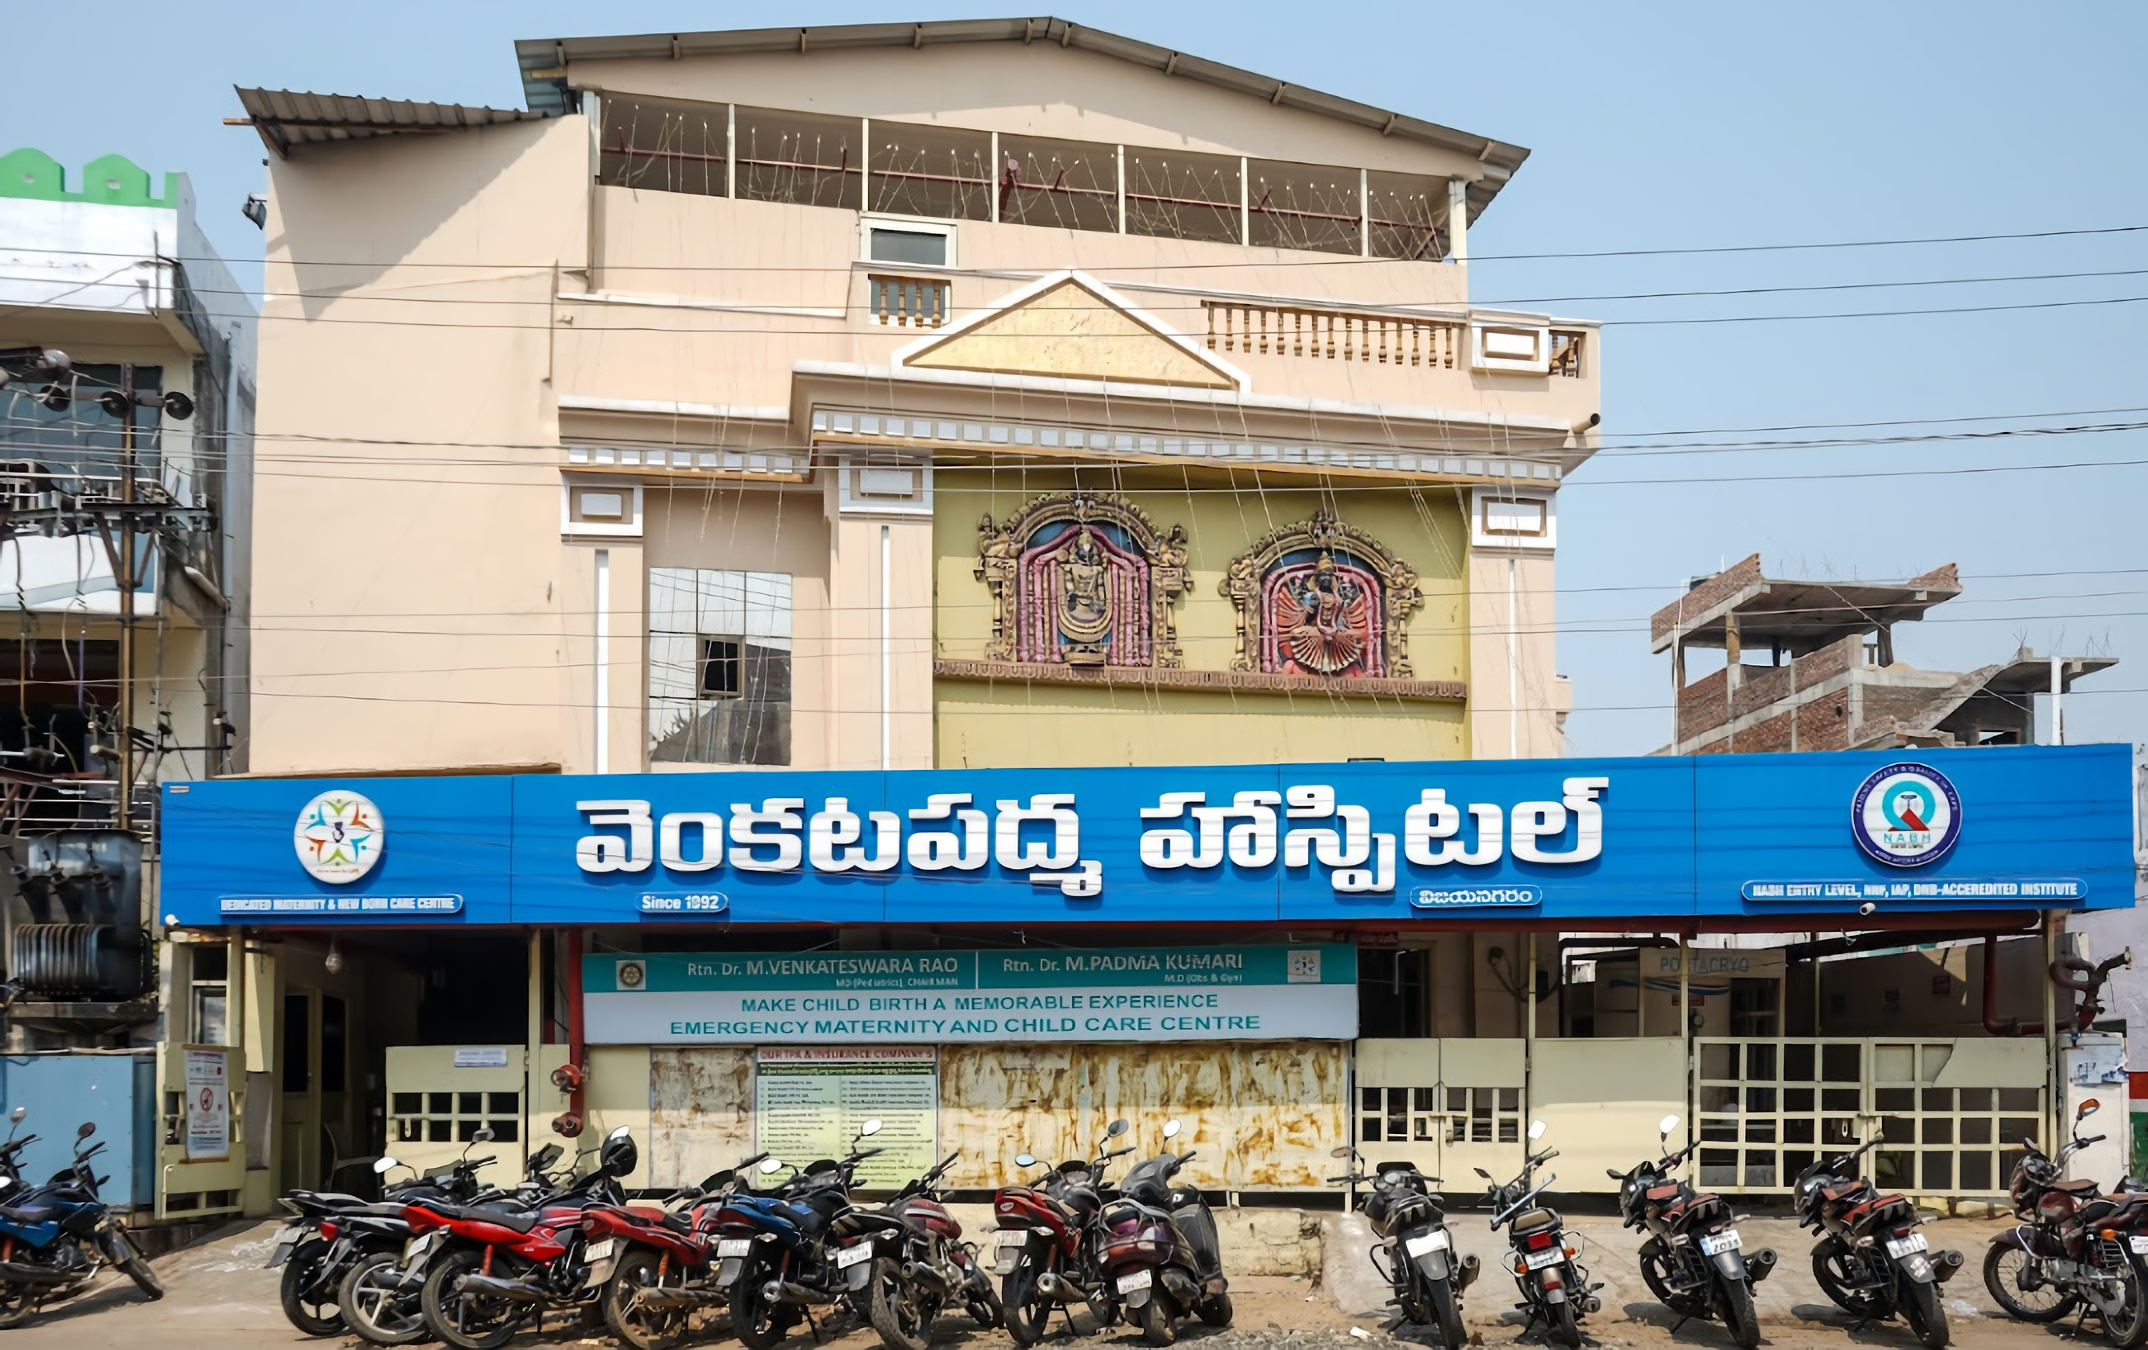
column 1906, row 815
column 339, row 837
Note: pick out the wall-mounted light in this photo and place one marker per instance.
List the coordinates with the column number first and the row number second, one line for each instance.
column 176, row 405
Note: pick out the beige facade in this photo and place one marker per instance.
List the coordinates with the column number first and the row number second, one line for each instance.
column 470, row 332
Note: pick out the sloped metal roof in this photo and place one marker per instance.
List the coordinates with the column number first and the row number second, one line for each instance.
column 544, row 61
column 286, row 117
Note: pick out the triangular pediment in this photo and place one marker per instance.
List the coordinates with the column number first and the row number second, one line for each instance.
column 1071, row 326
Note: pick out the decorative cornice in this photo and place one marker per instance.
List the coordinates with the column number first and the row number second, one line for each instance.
column 1236, row 681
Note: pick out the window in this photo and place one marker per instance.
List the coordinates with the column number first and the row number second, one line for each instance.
column 926, row 247
column 719, row 666
column 211, row 991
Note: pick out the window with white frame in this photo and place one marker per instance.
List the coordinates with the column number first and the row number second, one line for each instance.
column 719, row 666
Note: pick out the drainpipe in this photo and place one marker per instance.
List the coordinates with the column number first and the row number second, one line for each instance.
column 1992, row 1024
column 573, row 1076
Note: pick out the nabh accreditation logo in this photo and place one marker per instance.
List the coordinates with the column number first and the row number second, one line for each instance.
column 1906, row 815
column 339, row 837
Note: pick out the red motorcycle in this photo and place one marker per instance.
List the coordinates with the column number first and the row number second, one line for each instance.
column 1043, row 1255
column 1159, row 1252
column 654, row 1265
column 923, row 1266
column 491, row 1269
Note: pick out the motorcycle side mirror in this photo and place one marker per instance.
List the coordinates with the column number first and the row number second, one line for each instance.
column 15, row 1116
column 1666, row 1125
column 1343, row 1152
column 1114, row 1130
column 483, row 1136
column 1171, row 1128
column 383, row 1165
column 89, row 1127
column 718, row 1180
column 2089, row 1106
column 1482, row 1173
column 1024, row 1160
column 771, row 1166
column 869, row 1128
column 1536, row 1130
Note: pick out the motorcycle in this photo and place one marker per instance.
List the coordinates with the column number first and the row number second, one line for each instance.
column 1694, row 1260
column 332, row 1232
column 1405, row 1212
column 1158, row 1249
column 805, row 1246
column 2074, row 1248
column 654, row 1264
column 381, row 1301
column 1546, row 1259
column 923, row 1266
column 500, row 1267
column 55, row 1238
column 1870, row 1258
column 1044, row 1247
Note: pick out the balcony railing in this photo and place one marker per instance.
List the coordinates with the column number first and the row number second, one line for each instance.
column 908, row 302
column 1334, row 335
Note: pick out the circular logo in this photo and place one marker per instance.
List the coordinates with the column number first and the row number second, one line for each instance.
column 339, row 837
column 1906, row 815
column 632, row 975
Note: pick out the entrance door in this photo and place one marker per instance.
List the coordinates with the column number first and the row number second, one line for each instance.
column 1448, row 1106
column 298, row 1120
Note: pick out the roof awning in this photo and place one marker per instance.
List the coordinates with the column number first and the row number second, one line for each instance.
column 286, row 117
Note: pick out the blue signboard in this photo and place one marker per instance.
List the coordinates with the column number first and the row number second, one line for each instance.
column 1722, row 835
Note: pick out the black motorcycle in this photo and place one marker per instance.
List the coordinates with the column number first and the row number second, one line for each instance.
column 1159, row 1250
column 1870, row 1259
column 331, row 1233
column 1421, row 1265
column 2075, row 1246
column 1546, row 1258
column 1694, row 1260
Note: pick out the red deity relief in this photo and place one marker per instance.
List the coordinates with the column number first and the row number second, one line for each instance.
column 1321, row 598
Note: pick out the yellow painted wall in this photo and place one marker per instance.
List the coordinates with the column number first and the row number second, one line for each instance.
column 983, row 725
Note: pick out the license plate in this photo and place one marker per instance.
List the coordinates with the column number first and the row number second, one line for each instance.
column 599, row 1251
column 1140, row 1279
column 1012, row 1237
column 850, row 1256
column 289, row 1234
column 415, row 1250
column 1427, row 1242
column 1904, row 1246
column 1717, row 1243
column 1550, row 1256
column 2138, row 1243
column 733, row 1246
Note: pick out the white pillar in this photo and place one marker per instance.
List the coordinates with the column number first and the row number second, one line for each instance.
column 602, row 689
column 1457, row 220
column 2058, row 703
column 887, row 650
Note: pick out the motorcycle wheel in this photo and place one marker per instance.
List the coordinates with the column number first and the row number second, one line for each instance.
column 980, row 1297
column 303, row 1302
column 1159, row 1319
column 642, row 1327
column 2128, row 1327
column 1027, row 1313
column 1831, row 1270
column 1215, row 1310
column 2005, row 1269
column 466, row 1321
column 1563, row 1326
column 1446, row 1314
column 1655, row 1274
column 1739, row 1315
column 758, row 1323
column 901, row 1312
column 1925, row 1313
column 17, row 1306
column 376, row 1308
column 130, row 1259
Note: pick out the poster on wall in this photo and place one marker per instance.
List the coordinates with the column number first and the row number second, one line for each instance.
column 1017, row 995
column 810, row 1101
column 208, row 1103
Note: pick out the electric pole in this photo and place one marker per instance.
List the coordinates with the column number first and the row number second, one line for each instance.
column 123, row 573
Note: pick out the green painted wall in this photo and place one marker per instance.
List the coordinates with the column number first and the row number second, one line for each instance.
column 113, row 180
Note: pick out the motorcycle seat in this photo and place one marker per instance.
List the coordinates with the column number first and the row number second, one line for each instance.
column 1534, row 1221
column 1843, row 1192
column 1660, row 1193
column 323, row 1200
column 13, row 1215
column 2082, row 1186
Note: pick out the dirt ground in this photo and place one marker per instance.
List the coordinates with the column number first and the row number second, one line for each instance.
column 219, row 1297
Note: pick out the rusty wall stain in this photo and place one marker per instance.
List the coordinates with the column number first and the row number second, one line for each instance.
column 1261, row 1116
column 700, row 1111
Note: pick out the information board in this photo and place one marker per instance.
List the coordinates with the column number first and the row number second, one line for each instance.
column 208, row 1103
column 1017, row 995
column 810, row 1101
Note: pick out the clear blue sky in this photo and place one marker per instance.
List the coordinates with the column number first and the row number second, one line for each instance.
column 1652, row 127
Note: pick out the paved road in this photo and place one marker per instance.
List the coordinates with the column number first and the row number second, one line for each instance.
column 220, row 1299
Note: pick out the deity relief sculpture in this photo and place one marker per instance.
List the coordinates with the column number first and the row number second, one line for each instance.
column 1082, row 580
column 1325, row 599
